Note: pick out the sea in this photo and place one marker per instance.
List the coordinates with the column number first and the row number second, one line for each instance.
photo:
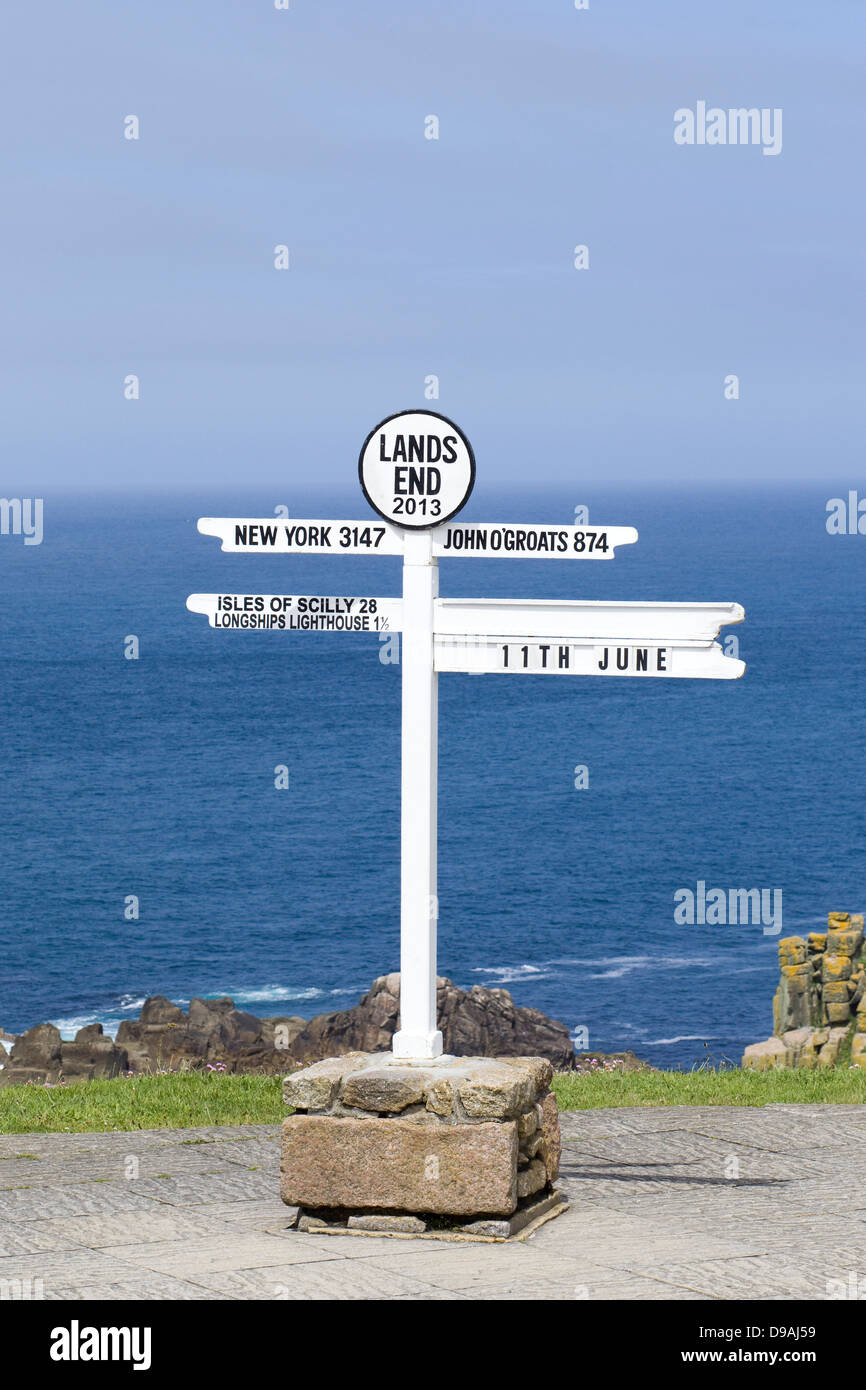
column 149, row 846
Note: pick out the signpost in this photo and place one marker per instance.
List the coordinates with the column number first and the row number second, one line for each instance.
column 417, row 470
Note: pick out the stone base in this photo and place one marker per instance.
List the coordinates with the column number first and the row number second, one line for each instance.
column 467, row 1138
column 530, row 1213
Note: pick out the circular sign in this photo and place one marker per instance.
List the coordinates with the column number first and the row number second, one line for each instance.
column 417, row 469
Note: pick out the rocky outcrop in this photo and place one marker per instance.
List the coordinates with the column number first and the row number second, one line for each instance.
column 40, row 1055
column 475, row 1023
column 487, row 1023
column 593, row 1063
column 216, row 1035
column 819, row 1009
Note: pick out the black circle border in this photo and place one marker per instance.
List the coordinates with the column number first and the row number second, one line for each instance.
column 440, row 520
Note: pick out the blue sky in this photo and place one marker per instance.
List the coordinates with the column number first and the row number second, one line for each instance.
column 412, row 257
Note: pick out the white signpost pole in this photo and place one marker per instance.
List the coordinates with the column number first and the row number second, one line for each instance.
column 417, row 470
column 418, row 1035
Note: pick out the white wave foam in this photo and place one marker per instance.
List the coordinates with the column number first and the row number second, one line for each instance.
column 615, row 967
column 608, row 967
column 68, row 1027
column 681, row 1037
column 511, row 974
column 499, row 969
column 266, row 994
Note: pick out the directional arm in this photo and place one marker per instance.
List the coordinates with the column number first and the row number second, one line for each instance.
column 530, row 541
column 557, row 656
column 276, row 536
column 299, row 612
column 582, row 638
column 585, row 620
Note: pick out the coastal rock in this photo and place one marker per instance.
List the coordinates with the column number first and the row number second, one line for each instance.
column 590, row 1063
column 281, row 1032
column 487, row 1023
column 844, row 942
column 763, row 1056
column 92, row 1056
column 159, row 1010
column 794, row 1004
column 835, row 968
column 475, row 1023
column 214, row 1034
column 368, row 1027
column 792, row 951
column 40, row 1056
column 820, row 1004
column 35, row 1056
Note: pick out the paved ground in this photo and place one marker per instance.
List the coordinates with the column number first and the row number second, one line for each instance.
column 708, row 1203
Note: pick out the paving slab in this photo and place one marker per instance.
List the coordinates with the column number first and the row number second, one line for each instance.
column 190, row 1190
column 708, row 1203
column 186, row 1258
column 327, row 1279
column 146, row 1286
column 57, row 1269
column 77, row 1199
column 138, row 1228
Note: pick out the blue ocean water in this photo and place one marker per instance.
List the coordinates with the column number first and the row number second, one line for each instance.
column 155, row 777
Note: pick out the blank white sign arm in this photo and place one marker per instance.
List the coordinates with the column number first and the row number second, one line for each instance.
column 585, row 619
